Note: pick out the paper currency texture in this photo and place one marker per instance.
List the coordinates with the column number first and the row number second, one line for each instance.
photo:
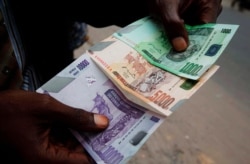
column 206, row 44
column 83, row 85
column 142, row 83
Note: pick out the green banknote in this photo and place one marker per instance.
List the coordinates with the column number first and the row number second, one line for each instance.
column 206, row 44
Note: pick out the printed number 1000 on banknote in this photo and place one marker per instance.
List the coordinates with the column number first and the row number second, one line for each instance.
column 206, row 44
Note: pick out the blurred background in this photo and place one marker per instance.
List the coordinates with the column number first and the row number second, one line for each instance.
column 213, row 127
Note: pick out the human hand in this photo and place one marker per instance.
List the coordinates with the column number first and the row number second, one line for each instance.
column 34, row 129
column 175, row 13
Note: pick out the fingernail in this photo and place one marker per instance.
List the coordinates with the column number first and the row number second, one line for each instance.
column 179, row 44
column 101, row 120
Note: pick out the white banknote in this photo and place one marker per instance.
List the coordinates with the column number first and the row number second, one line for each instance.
column 83, row 85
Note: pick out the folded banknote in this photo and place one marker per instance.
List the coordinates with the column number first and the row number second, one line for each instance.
column 142, row 83
column 130, row 124
column 134, row 93
column 206, row 44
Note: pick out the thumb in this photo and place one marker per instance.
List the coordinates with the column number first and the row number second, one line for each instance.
column 174, row 26
column 76, row 118
column 177, row 34
column 167, row 12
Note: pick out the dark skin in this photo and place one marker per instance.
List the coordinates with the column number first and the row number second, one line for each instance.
column 32, row 124
column 175, row 13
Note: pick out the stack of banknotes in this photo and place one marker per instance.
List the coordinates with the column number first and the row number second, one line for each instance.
column 137, row 80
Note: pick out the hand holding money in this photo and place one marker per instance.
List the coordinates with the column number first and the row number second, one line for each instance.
column 207, row 42
column 135, row 95
column 44, row 120
column 130, row 125
column 175, row 14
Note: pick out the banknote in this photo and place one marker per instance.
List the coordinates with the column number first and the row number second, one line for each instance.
column 130, row 124
column 141, row 82
column 206, row 44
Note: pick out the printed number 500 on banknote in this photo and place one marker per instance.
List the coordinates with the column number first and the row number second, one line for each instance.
column 206, row 44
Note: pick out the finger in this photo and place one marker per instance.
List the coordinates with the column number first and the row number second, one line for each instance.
column 174, row 26
column 74, row 118
column 210, row 12
column 63, row 156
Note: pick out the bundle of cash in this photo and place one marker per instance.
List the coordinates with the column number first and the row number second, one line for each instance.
column 142, row 83
column 206, row 44
column 130, row 124
column 136, row 79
